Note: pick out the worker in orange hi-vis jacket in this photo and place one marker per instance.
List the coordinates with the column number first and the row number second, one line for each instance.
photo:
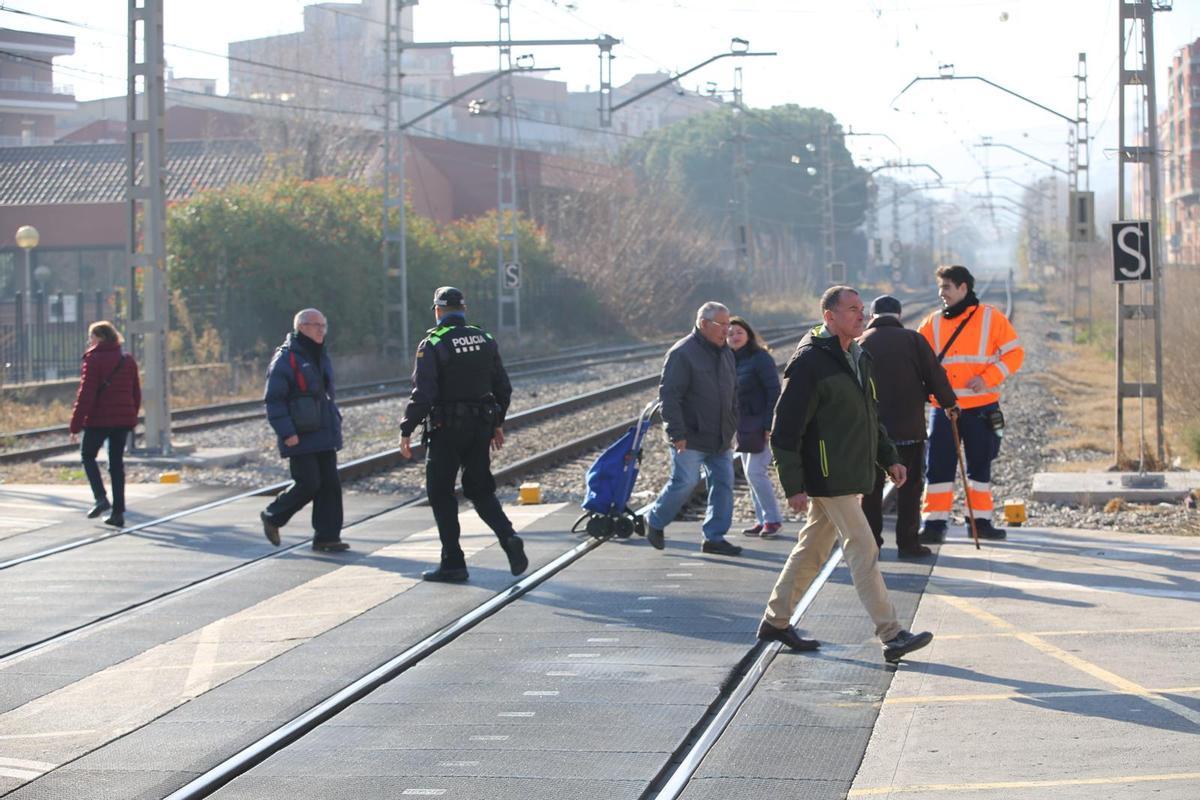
column 979, row 349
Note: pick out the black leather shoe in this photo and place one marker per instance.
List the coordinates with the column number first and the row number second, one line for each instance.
column 987, row 531
column 99, row 508
column 920, row 551
column 789, row 636
column 514, row 548
column 270, row 529
column 903, row 644
column 116, row 519
column 657, row 537
column 446, row 575
column 331, row 547
column 933, row 532
column 720, row 548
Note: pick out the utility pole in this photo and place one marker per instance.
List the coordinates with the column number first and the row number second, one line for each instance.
column 872, row 228
column 743, row 235
column 1081, row 213
column 146, row 214
column 395, row 237
column 897, row 246
column 508, row 269
column 1137, row 48
column 508, row 250
column 828, row 226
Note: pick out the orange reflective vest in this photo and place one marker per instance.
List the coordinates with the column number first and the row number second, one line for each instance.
column 988, row 346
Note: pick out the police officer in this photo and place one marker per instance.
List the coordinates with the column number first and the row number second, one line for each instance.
column 461, row 392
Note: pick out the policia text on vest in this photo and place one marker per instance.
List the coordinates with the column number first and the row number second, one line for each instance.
column 461, row 394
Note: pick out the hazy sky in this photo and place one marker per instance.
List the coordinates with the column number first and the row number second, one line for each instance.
column 851, row 57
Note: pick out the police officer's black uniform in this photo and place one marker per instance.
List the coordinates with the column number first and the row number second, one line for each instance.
column 461, row 392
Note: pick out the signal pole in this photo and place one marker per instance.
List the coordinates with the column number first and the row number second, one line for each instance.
column 395, row 238
column 743, row 236
column 146, row 214
column 508, row 249
column 1137, row 47
column 1081, row 221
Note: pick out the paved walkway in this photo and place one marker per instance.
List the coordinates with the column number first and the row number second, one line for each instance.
column 1066, row 664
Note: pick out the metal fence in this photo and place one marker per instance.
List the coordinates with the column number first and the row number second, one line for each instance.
column 43, row 339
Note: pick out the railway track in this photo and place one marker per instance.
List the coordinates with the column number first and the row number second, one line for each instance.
column 673, row 778
column 350, row 470
column 217, row 415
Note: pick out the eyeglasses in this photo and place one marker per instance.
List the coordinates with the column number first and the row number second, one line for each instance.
column 320, row 325
column 718, row 324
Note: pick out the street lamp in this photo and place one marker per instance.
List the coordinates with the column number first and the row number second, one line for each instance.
column 27, row 239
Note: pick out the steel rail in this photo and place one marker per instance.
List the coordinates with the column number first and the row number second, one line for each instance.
column 537, row 366
column 251, row 410
column 258, row 751
column 351, row 469
column 673, row 780
column 263, row 748
column 356, row 468
column 511, row 472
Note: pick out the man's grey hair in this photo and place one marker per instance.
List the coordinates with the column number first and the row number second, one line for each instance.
column 710, row 310
column 833, row 296
column 305, row 315
column 891, row 314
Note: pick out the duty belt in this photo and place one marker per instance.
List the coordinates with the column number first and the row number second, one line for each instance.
column 461, row 411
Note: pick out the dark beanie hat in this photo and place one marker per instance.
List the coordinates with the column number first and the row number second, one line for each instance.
column 885, row 304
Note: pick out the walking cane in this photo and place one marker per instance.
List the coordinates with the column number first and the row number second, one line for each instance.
column 962, row 470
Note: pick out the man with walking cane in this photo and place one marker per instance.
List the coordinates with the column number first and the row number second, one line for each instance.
column 979, row 349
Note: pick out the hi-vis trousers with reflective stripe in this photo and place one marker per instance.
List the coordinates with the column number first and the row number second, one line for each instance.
column 941, row 467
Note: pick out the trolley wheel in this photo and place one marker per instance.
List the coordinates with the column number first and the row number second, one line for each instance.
column 600, row 527
column 623, row 527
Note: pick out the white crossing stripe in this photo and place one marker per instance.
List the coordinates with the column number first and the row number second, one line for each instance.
column 134, row 692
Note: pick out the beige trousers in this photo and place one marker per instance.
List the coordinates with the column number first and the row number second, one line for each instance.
column 830, row 517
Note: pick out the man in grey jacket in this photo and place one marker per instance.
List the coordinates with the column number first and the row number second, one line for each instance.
column 698, row 391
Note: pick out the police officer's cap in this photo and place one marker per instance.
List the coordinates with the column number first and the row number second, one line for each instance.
column 448, row 297
column 885, row 304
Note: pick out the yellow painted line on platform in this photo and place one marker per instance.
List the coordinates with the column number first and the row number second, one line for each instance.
column 1084, row 666
column 128, row 695
column 1010, row 785
column 988, row 698
column 957, row 637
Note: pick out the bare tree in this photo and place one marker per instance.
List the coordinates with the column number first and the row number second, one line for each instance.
column 646, row 256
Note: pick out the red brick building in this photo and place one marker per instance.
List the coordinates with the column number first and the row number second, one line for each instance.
column 1180, row 134
column 73, row 193
column 29, row 97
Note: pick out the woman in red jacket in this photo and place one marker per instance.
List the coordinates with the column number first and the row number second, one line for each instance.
column 106, row 407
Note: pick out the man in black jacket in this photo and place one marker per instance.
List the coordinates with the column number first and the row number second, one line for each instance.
column 907, row 372
column 829, row 444
column 461, row 388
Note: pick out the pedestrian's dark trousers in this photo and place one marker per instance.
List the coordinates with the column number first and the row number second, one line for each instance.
column 908, row 499
column 981, row 446
column 90, row 447
column 314, row 479
column 462, row 444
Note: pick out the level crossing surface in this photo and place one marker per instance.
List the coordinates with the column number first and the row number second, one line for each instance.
column 1055, row 650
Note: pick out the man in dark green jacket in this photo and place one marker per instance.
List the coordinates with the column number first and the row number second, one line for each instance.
column 828, row 444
